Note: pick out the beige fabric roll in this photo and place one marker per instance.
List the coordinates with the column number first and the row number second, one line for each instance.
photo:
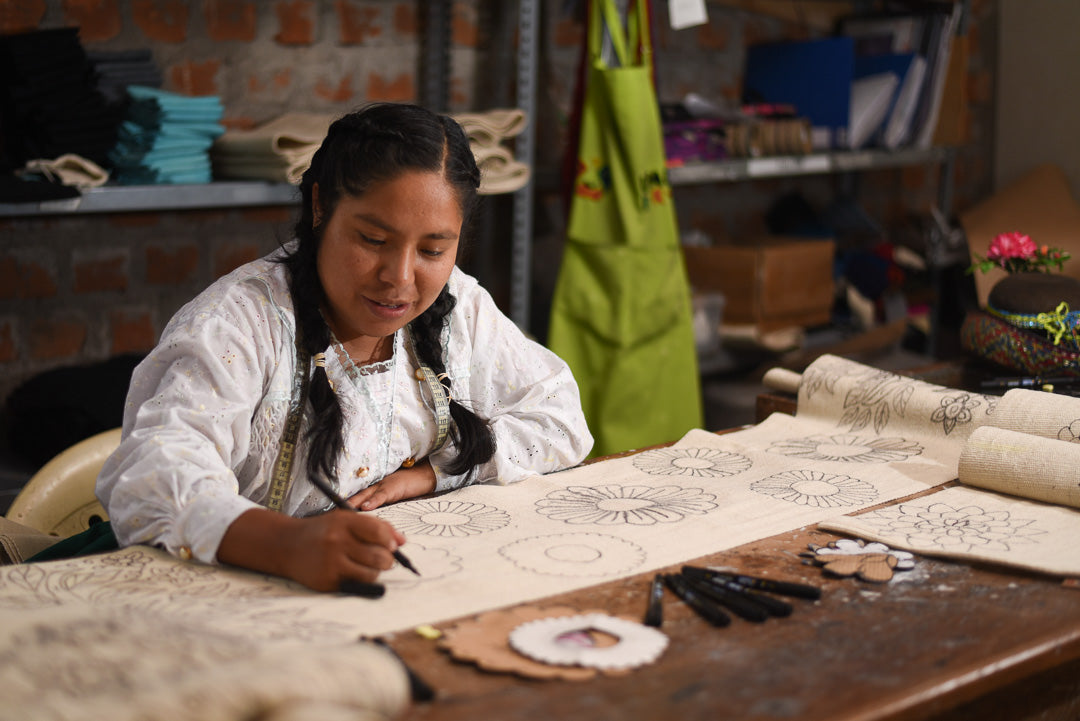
column 782, row 379
column 1050, row 415
column 1031, row 448
column 1021, row 464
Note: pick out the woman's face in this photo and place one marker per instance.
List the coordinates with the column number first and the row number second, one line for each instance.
column 386, row 255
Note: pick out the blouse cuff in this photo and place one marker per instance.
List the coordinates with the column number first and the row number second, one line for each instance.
column 203, row 523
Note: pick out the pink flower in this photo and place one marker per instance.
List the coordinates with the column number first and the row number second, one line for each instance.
column 1011, row 245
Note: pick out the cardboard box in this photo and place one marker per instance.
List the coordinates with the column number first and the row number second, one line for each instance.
column 774, row 283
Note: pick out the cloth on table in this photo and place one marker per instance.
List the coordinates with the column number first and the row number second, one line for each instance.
column 134, row 634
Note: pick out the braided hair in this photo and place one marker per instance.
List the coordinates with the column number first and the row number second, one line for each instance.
column 363, row 149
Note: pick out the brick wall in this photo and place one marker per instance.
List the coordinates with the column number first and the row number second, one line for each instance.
column 76, row 289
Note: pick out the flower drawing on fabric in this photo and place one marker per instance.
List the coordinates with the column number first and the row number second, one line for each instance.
column 817, row 489
column 1070, row 433
column 848, row 448
column 701, row 462
column 957, row 529
column 872, row 402
column 955, row 410
column 816, row 379
column 454, row 519
column 613, row 505
column 574, row 554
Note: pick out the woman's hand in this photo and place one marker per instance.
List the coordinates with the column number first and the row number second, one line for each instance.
column 397, row 486
column 320, row 551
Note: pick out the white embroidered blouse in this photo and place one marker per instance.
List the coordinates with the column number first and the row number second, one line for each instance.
column 206, row 409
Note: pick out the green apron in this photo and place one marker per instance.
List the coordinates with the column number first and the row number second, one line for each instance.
column 621, row 313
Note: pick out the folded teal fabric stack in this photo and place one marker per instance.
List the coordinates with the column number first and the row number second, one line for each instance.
column 166, row 138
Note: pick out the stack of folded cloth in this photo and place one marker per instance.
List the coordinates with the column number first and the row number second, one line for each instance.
column 487, row 131
column 166, row 138
column 49, row 100
column 116, row 70
column 278, row 151
column 1031, row 323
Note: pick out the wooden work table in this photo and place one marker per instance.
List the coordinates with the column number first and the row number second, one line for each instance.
column 943, row 641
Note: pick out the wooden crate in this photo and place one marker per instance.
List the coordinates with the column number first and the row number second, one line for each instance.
column 774, row 283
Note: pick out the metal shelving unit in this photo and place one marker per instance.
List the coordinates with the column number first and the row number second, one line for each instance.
column 136, row 198
column 812, row 164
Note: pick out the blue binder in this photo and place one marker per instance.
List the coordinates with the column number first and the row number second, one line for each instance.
column 813, row 75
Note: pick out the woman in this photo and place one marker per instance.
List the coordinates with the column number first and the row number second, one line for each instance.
column 396, row 370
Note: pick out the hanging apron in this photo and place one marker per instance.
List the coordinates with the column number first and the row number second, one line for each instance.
column 621, row 313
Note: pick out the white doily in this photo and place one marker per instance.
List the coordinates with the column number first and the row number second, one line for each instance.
column 565, row 641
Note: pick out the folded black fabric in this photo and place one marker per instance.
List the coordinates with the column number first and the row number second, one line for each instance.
column 17, row 190
column 50, row 102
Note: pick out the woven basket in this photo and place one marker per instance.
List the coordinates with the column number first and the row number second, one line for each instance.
column 1022, row 350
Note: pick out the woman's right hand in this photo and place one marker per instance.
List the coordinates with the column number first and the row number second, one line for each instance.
column 320, row 551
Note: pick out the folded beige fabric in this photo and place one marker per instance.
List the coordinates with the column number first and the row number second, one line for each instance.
column 286, row 142
column 492, row 127
column 277, row 169
column 69, row 169
column 499, row 171
column 19, row 542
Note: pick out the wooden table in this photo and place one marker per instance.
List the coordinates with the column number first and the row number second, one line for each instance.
column 944, row 640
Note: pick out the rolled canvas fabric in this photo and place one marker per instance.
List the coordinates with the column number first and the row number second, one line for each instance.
column 1019, row 472
column 1032, row 448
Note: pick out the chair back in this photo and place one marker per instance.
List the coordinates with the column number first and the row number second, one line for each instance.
column 59, row 499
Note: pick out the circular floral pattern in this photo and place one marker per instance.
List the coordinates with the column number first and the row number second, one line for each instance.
column 1070, row 433
column 433, row 564
column 848, row 448
column 454, row 519
column 574, row 554
column 624, row 505
column 703, row 462
column 815, row 488
column 955, row 528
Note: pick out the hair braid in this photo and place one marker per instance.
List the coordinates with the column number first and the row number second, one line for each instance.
column 471, row 434
column 313, row 334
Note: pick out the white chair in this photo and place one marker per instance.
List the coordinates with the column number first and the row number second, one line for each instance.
column 59, row 499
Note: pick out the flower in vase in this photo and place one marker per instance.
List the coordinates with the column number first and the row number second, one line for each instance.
column 1017, row 253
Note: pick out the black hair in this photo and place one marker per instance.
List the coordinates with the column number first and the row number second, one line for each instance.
column 361, row 149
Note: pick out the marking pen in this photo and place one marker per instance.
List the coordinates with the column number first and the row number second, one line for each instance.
column 774, row 606
column 705, row 608
column 654, row 615
column 1028, row 381
column 341, row 503
column 784, row 588
column 737, row 602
